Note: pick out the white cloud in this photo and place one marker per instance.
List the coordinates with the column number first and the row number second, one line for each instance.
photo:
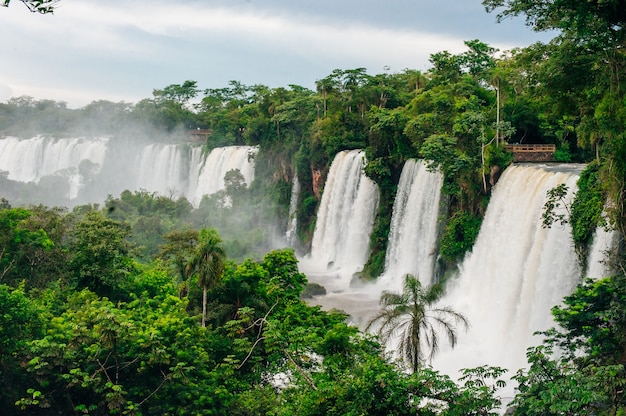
column 113, row 47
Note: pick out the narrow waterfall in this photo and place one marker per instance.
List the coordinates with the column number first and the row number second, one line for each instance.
column 344, row 220
column 604, row 241
column 292, row 223
column 413, row 235
column 515, row 274
column 218, row 163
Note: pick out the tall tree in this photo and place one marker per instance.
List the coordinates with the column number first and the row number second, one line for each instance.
column 207, row 262
column 414, row 314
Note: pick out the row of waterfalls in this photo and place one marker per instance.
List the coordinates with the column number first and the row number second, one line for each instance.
column 506, row 285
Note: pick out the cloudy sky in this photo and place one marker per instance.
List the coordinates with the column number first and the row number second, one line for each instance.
column 120, row 50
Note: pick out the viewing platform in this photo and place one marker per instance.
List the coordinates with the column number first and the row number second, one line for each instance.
column 532, row 152
column 199, row 135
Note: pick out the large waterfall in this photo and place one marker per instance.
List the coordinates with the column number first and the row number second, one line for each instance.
column 506, row 286
column 93, row 168
column 344, row 220
column 412, row 245
column 517, row 271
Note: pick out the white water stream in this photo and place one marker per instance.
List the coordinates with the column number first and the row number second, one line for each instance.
column 412, row 245
column 345, row 219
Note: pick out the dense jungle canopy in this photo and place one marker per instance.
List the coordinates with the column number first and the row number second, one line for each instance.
column 101, row 310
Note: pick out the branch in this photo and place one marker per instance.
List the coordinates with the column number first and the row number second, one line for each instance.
column 301, row 371
column 260, row 323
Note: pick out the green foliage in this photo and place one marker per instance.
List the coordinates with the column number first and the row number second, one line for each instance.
column 459, row 236
column 115, row 358
column 584, row 213
column 414, row 315
column 551, row 387
column 562, row 155
column 123, row 337
column 20, row 322
column 101, row 255
column 587, row 207
column 587, row 375
column 207, row 263
column 23, row 242
column 554, row 205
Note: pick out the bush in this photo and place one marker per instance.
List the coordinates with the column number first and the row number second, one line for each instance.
column 459, row 236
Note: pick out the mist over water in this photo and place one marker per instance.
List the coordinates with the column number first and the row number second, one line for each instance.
column 506, row 286
column 87, row 170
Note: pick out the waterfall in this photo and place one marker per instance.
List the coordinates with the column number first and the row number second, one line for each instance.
column 516, row 272
column 90, row 169
column 163, row 168
column 344, row 220
column 218, row 163
column 290, row 234
column 413, row 235
column 603, row 242
column 29, row 160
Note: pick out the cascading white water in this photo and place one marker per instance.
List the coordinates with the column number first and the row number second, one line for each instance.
column 218, row 163
column 163, row 168
column 414, row 225
column 344, row 220
column 516, row 272
column 29, row 160
column 111, row 166
column 290, row 234
column 597, row 262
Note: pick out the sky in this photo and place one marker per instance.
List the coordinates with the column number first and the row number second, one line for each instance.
column 121, row 50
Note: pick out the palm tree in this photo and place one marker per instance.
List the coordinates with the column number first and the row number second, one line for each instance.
column 414, row 315
column 207, row 261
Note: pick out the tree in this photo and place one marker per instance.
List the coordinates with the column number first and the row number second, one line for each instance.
column 207, row 261
column 180, row 94
column 19, row 323
column 19, row 240
column 177, row 251
column 582, row 363
column 101, row 255
column 413, row 313
column 36, row 6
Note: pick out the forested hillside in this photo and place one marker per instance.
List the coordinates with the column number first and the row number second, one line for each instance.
column 146, row 304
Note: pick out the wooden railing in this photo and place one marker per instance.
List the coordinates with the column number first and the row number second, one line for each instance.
column 532, row 152
column 531, row 148
column 199, row 135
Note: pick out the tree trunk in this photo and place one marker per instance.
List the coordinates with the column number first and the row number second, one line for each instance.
column 204, row 307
